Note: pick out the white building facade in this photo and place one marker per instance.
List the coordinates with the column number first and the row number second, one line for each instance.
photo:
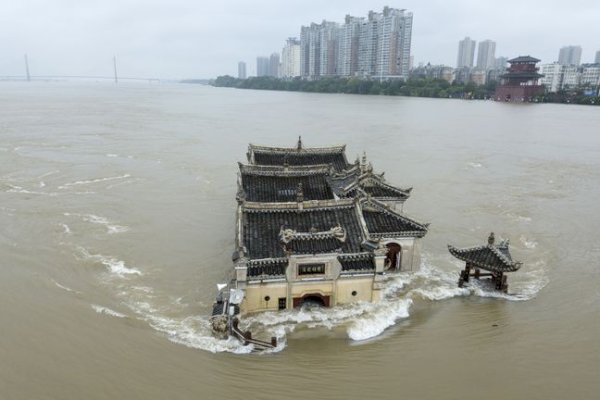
column 290, row 59
column 552, row 78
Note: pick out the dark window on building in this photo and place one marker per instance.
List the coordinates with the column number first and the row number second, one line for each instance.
column 311, row 269
column 282, row 303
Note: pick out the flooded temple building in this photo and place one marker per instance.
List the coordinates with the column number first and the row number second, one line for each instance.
column 312, row 227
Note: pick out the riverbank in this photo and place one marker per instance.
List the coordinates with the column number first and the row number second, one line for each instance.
column 420, row 87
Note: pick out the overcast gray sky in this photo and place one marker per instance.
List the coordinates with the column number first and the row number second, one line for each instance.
column 202, row 39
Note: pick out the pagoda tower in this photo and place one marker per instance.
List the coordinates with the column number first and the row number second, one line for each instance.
column 521, row 82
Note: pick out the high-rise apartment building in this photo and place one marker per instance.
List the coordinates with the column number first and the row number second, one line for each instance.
column 368, row 45
column 290, row 58
column 348, row 41
column 262, row 66
column 242, row 70
column 310, row 50
column 569, row 55
column 466, row 53
column 328, row 37
column 486, row 55
column 395, row 30
column 597, row 59
column 378, row 46
column 274, row 65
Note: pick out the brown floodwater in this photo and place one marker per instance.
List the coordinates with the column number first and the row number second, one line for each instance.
column 117, row 220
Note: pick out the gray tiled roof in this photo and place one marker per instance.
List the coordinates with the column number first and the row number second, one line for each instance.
column 491, row 257
column 262, row 227
column 263, row 155
column 383, row 222
column 303, row 201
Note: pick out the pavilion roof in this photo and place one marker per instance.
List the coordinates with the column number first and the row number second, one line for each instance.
column 524, row 59
column 490, row 257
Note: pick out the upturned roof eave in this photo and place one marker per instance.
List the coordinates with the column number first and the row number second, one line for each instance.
column 463, row 254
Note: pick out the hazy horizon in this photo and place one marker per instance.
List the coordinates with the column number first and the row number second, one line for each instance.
column 182, row 39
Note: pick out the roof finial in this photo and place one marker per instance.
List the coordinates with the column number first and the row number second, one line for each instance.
column 363, row 164
column 491, row 239
column 299, row 142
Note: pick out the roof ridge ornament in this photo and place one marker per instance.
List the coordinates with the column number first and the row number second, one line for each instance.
column 491, row 239
column 363, row 163
column 286, row 235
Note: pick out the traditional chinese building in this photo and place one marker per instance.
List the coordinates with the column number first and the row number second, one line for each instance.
column 312, row 227
column 494, row 258
column 521, row 82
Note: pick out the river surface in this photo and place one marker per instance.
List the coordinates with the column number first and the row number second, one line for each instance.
column 117, row 220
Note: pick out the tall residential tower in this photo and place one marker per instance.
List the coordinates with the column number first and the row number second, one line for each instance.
column 466, row 53
column 569, row 55
column 290, row 58
column 241, row 70
column 486, row 55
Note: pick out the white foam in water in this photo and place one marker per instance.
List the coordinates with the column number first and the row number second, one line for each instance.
column 112, row 155
column 111, row 228
column 114, row 265
column 366, row 320
column 529, row 243
column 20, row 189
column 475, row 165
column 107, row 311
column 525, row 286
column 67, row 289
column 194, row 331
column 382, row 316
column 361, row 320
column 67, row 230
column 91, row 181
column 116, row 229
column 94, row 219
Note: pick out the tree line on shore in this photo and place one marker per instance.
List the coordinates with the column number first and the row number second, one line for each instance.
column 414, row 87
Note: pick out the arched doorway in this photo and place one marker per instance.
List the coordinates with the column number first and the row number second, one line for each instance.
column 393, row 258
column 312, row 299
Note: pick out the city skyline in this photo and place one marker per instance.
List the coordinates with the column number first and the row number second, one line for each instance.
column 180, row 39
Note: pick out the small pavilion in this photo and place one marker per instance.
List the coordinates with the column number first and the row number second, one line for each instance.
column 493, row 258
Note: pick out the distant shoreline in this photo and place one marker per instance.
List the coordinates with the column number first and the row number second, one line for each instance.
column 420, row 87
